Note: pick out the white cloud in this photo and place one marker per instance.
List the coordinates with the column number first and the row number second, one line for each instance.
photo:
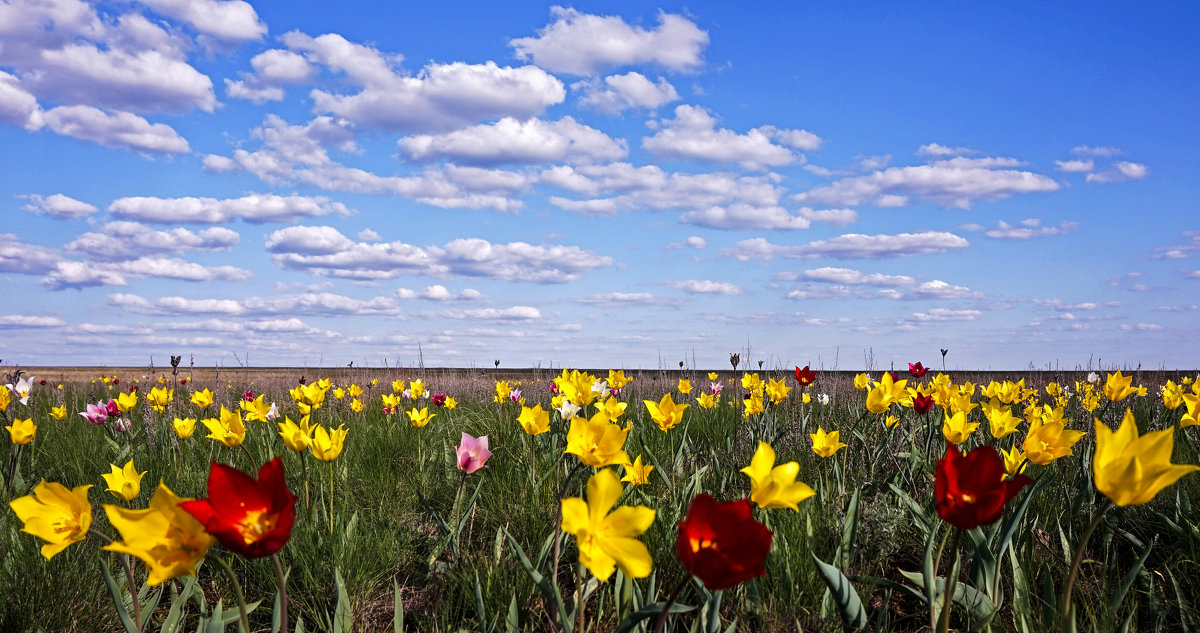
column 28, row 259
column 13, row 321
column 583, row 44
column 956, row 182
column 624, row 298
column 230, row 20
column 937, row 150
column 254, row 208
column 852, row 246
column 118, row 129
column 1029, row 228
column 947, row 314
column 511, row 141
column 73, row 274
column 17, row 106
column 696, row 242
column 1097, row 151
column 740, row 216
column 706, row 286
column 892, row 286
column 650, row 187
column 1141, row 327
column 515, row 313
column 631, row 91
column 692, row 135
column 119, row 241
column 215, row 164
column 58, row 205
column 1120, row 172
column 324, row 251
column 369, row 235
column 836, row 217
column 440, row 97
column 144, row 80
column 309, row 303
column 1075, row 166
column 273, row 70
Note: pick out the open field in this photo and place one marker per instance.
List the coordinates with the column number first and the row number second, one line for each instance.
column 391, row 530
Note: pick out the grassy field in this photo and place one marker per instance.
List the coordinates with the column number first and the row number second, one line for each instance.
column 392, row 528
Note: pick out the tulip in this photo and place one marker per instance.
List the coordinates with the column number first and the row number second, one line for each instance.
column 54, row 514
column 805, row 376
column 607, row 540
column 1118, row 387
column 636, row 473
column 439, row 399
column 58, row 413
column 184, row 427
column 22, row 431
column 1048, row 441
column 252, row 517
column 535, row 421
column 721, row 543
column 1130, row 469
column 472, row 453
column 970, row 490
column 169, row 540
column 685, row 386
column 125, row 402
column 228, row 430
column 596, row 441
column 203, row 398
column 922, row 403
column 775, row 486
column 296, row 437
column 957, row 428
column 22, row 388
column 420, row 418
column 327, row 445
column 124, row 483
column 825, row 444
column 665, row 413
column 916, row 370
column 96, row 413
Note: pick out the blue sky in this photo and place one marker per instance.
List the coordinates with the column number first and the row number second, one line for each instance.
column 598, row 185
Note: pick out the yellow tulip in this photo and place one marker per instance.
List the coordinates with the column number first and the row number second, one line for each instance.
column 617, row 379
column 124, row 483
column 326, row 446
column 777, row 390
column 169, row 540
column 356, row 405
column 5, row 398
column 885, row 393
column 126, row 401
column 22, row 431
column 775, row 486
column 184, row 427
column 54, row 514
column 416, row 388
column 614, row 408
column 296, row 437
column 58, row 413
column 825, row 444
column 607, row 540
column 203, row 398
column 1048, row 441
column 957, row 428
column 596, row 441
column 862, row 381
column 1130, row 468
column 707, row 400
column 665, row 413
column 685, row 386
column 159, row 398
column 1001, row 421
column 534, row 421
column 420, row 418
column 228, row 430
column 637, row 474
column 1118, row 387
column 1014, row 461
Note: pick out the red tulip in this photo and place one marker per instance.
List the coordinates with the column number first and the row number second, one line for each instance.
column 251, row 517
column 721, row 544
column 917, row 370
column 922, row 403
column 805, row 376
column 970, row 489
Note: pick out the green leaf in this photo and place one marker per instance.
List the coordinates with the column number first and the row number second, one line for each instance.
column 118, row 598
column 854, row 616
column 512, row 621
column 341, row 612
column 398, row 614
column 849, row 532
column 650, row 611
column 477, row 589
column 548, row 590
column 178, row 611
column 1118, row 595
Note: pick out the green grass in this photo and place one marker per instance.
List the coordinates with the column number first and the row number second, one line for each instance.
column 391, row 500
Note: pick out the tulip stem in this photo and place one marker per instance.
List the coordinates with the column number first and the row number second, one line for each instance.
column 283, row 595
column 237, row 592
column 662, row 617
column 133, row 593
column 937, row 562
column 1064, row 613
column 556, row 526
column 951, row 581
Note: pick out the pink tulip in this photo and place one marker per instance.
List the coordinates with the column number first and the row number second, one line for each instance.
column 112, row 409
column 96, row 413
column 472, row 453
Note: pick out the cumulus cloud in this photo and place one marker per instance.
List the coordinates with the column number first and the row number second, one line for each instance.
column 324, row 251
column 947, row 314
column 73, row 274
column 852, row 246
column 119, row 241
column 1075, row 166
column 937, row 150
column 1028, row 228
column 620, row 187
column 230, row 20
column 273, row 71
column 438, row 292
column 955, row 182
column 843, row 280
column 707, row 287
column 693, row 135
column 1120, row 172
column 253, row 208
column 441, row 97
column 511, row 141
column 29, row 259
column 287, row 305
column 58, row 205
column 614, row 299
column 630, row 91
column 117, row 129
column 17, row 105
column 743, row 216
column 579, row 43
column 1141, row 327
column 515, row 313
column 17, row 321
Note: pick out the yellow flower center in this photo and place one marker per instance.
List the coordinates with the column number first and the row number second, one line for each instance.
column 256, row 525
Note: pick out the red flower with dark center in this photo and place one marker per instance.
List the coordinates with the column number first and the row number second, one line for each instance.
column 248, row 396
column 970, row 489
column 805, row 376
column 252, row 517
column 721, row 544
column 111, row 409
column 116, row 381
column 922, row 403
column 439, row 399
column 132, row 388
column 917, row 370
